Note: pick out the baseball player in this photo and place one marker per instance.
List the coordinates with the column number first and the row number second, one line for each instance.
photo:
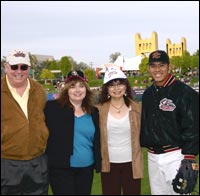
column 170, row 124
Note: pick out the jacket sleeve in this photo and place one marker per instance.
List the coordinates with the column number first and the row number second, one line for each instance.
column 60, row 122
column 97, row 148
column 190, row 122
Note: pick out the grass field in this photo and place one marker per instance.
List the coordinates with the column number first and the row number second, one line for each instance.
column 96, row 188
column 145, row 189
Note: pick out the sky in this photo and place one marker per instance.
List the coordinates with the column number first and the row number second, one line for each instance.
column 90, row 31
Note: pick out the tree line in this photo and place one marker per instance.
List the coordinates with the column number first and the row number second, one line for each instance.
column 67, row 63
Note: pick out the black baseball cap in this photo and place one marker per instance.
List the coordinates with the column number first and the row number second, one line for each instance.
column 158, row 56
column 76, row 74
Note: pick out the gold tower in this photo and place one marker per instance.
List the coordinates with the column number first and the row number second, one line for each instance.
column 146, row 46
column 176, row 49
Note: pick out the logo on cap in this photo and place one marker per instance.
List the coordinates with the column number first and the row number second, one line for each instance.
column 76, row 74
column 156, row 55
column 112, row 73
column 19, row 54
column 18, row 57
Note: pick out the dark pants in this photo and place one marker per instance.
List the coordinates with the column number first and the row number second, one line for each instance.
column 71, row 181
column 120, row 180
column 24, row 177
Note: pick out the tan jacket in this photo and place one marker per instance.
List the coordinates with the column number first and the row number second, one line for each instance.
column 22, row 138
column 137, row 156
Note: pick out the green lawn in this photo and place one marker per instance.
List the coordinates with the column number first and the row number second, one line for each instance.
column 96, row 188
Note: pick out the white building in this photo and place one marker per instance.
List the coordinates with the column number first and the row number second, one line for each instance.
column 128, row 65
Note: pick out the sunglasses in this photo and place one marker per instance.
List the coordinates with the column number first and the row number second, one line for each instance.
column 16, row 67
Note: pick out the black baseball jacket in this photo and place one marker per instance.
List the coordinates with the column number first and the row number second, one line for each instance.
column 170, row 116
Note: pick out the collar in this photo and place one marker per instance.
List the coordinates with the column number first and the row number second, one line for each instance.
column 12, row 88
column 169, row 81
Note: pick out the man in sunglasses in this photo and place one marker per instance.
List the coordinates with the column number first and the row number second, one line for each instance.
column 23, row 130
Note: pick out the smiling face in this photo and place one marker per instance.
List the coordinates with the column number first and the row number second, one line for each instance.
column 77, row 92
column 159, row 72
column 17, row 74
column 116, row 89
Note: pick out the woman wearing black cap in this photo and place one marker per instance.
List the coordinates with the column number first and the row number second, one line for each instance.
column 73, row 147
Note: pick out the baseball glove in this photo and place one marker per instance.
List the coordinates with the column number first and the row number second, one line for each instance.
column 186, row 177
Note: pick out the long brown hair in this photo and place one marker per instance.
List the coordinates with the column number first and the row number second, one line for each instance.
column 104, row 96
column 88, row 101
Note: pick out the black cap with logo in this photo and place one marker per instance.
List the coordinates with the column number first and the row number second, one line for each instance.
column 158, row 56
column 76, row 74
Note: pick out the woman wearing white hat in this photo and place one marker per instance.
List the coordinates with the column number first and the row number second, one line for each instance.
column 122, row 159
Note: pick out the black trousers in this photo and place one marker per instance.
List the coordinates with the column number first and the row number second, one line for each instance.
column 28, row 177
column 120, row 180
column 71, row 181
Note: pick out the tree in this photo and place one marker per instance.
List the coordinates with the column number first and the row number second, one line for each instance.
column 65, row 66
column 46, row 74
column 77, row 66
column 186, row 62
column 176, row 62
column 38, row 68
column 81, row 66
column 53, row 65
column 33, row 61
column 143, row 66
column 90, row 74
column 114, row 56
column 195, row 60
column 3, row 61
column 73, row 62
column 196, row 53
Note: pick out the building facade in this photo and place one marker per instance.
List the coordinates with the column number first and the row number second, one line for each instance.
column 177, row 49
column 148, row 45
